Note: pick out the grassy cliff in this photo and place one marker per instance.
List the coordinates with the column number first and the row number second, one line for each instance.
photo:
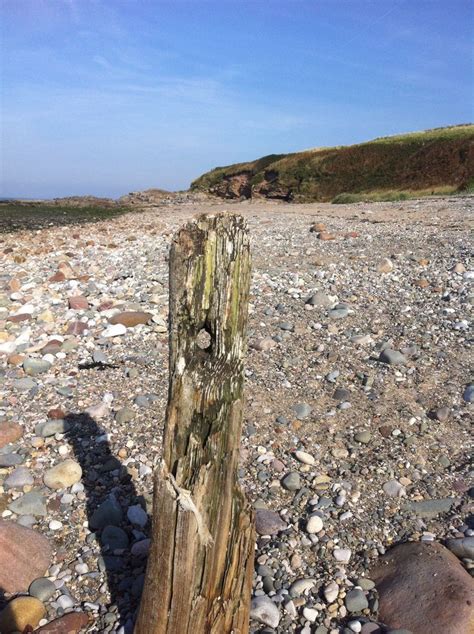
column 439, row 161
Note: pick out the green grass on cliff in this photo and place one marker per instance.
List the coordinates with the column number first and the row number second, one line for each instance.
column 418, row 163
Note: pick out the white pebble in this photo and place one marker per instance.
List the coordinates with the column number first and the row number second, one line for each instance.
column 310, row 614
column 342, row 555
column 55, row 525
column 304, row 457
column 331, row 592
column 314, row 524
column 65, row 602
column 355, row 626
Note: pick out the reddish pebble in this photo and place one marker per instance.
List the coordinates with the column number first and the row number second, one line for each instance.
column 18, row 318
column 326, row 236
column 76, row 328
column 9, row 432
column 79, row 302
column 71, row 623
column 58, row 277
column 56, row 413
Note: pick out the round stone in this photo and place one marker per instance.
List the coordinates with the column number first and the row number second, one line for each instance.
column 356, row 601
column 20, row 615
column 304, row 457
column 63, row 475
column 42, row 589
column 302, row 410
column 314, row 524
column 268, row 522
column 124, row 415
column 363, row 436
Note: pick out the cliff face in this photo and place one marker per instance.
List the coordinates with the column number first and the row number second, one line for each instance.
column 422, row 162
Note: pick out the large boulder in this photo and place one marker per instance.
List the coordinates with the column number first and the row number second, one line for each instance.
column 424, row 588
column 25, row 555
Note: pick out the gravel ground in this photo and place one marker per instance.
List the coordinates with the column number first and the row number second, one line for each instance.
column 357, row 428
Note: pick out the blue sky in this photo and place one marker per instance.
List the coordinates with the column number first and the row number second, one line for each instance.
column 110, row 96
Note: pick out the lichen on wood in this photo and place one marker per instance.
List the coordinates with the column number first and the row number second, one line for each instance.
column 199, row 571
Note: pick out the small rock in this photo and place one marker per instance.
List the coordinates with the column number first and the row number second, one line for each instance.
column 363, row 436
column 392, row 357
column 356, row 601
column 63, row 475
column 265, row 344
column 114, row 537
column 33, row 367
column 314, row 524
column 331, row 592
column 42, row 589
column 343, row 555
column 268, row 522
column 462, row 548
column 302, row 410
column 468, row 394
column 31, row 503
column 292, row 481
column 114, row 331
column 385, row 266
column 137, row 515
column 71, row 623
column 10, row 432
column 79, row 302
column 130, row 318
column 52, row 427
column 124, row 415
column 304, row 457
column 109, row 512
column 430, row 508
column 263, row 610
column 19, row 478
column 393, row 488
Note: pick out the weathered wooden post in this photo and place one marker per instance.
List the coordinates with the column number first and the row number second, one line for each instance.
column 199, row 573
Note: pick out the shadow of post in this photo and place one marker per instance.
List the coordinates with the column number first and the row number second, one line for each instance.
column 110, row 492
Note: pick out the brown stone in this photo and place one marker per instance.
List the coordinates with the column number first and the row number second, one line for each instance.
column 57, row 277
column 56, row 413
column 106, row 305
column 421, row 283
column 385, row 430
column 424, row 588
column 78, row 303
column 131, row 318
column 351, row 234
column 25, row 555
column 67, row 270
column 76, row 328
column 52, row 347
column 317, row 227
column 16, row 359
column 9, row 432
column 14, row 284
column 324, row 235
column 18, row 318
column 71, row 623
